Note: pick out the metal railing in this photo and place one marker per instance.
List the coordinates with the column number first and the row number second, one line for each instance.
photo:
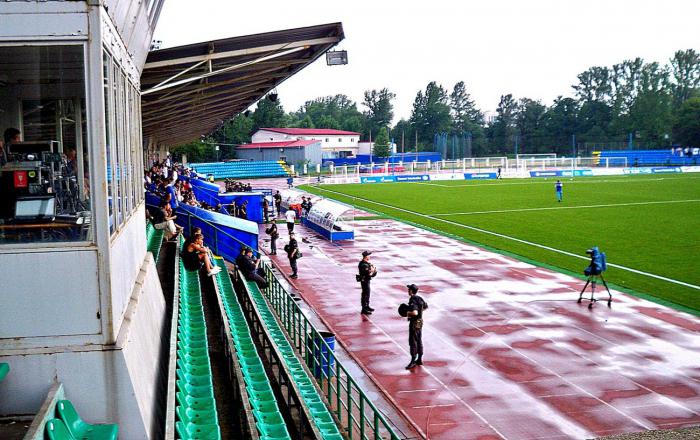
column 355, row 412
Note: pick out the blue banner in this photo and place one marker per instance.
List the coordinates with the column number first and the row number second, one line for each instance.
column 377, row 179
column 561, row 173
column 545, row 173
column 652, row 170
column 413, row 178
column 476, row 176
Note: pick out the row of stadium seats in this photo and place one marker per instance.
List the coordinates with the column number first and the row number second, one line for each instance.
column 321, row 416
column 645, row 158
column 154, row 240
column 268, row 418
column 195, row 408
column 238, row 170
column 69, row 426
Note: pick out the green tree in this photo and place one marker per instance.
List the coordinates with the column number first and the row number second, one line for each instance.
column 380, row 110
column 305, row 123
column 686, row 129
column 327, row 121
column 650, row 113
column 269, row 114
column 403, row 132
column 685, row 68
column 529, row 121
column 465, row 115
column 339, row 111
column 381, row 144
column 430, row 114
column 502, row 130
column 560, row 123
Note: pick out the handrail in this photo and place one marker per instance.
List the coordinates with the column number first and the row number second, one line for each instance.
column 355, row 411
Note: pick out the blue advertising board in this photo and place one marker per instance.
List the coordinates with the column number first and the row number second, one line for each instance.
column 476, row 176
column 561, row 173
column 377, row 179
column 412, row 178
column 652, row 170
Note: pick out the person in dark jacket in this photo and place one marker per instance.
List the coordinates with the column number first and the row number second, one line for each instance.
column 367, row 271
column 416, row 306
column 274, row 235
column 293, row 254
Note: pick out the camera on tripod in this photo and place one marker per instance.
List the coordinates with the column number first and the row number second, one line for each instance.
column 595, row 269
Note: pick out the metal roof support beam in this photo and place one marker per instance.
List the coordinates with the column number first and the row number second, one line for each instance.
column 201, row 87
column 194, row 66
column 242, row 52
column 224, row 70
column 197, row 106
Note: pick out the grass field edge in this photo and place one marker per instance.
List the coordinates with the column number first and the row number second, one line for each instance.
column 646, row 296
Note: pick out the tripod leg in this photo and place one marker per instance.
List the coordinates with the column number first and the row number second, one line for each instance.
column 608, row 289
column 583, row 290
column 593, row 283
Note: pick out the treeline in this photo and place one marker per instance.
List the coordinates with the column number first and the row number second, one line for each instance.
column 643, row 103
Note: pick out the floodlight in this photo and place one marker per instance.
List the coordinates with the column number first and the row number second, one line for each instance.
column 337, row 58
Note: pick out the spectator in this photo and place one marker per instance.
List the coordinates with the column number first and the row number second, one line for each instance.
column 250, row 267
column 195, row 256
column 164, row 219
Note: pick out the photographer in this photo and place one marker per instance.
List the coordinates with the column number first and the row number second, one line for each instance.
column 367, row 271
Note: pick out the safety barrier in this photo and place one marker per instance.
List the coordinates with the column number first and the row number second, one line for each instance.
column 352, row 408
column 259, row 395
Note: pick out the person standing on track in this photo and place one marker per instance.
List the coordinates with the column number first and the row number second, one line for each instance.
column 290, row 216
column 416, row 305
column 292, row 249
column 559, row 189
column 367, row 272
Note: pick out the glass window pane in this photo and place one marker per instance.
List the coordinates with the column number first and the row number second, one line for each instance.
column 109, row 144
column 44, row 172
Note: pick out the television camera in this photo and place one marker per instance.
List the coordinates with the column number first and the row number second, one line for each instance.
column 595, row 269
column 38, row 169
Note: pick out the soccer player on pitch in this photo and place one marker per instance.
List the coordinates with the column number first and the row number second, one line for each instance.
column 559, row 188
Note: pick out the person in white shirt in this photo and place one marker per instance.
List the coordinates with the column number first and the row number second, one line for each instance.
column 290, row 215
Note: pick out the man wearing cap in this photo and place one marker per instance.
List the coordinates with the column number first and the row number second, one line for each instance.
column 416, row 305
column 367, row 272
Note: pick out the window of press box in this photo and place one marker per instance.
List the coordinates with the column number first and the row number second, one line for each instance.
column 44, row 150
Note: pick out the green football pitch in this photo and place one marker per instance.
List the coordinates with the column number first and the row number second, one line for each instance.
column 648, row 225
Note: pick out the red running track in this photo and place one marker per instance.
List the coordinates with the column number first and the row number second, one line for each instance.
column 508, row 351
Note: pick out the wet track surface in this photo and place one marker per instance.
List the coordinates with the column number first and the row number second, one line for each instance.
column 508, row 351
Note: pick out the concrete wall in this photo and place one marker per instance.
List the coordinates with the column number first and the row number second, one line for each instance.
column 106, row 383
column 127, row 251
column 293, row 155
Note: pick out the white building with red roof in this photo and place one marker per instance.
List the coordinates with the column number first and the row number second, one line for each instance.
column 334, row 143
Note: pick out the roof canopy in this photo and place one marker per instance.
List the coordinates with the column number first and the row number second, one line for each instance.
column 282, row 144
column 190, row 90
column 311, row 131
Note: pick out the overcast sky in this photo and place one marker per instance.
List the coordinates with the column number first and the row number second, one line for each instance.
column 530, row 48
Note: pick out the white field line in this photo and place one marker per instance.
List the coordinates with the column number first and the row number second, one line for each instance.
column 542, row 181
column 507, row 237
column 568, row 207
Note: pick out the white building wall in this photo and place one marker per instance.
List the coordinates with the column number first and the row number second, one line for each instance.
column 329, row 143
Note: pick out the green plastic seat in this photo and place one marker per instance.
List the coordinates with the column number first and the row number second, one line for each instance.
column 81, row 429
column 189, row 415
column 4, row 369
column 57, row 430
column 197, row 432
column 199, row 404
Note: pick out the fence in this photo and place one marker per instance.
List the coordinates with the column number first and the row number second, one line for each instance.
column 355, row 411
